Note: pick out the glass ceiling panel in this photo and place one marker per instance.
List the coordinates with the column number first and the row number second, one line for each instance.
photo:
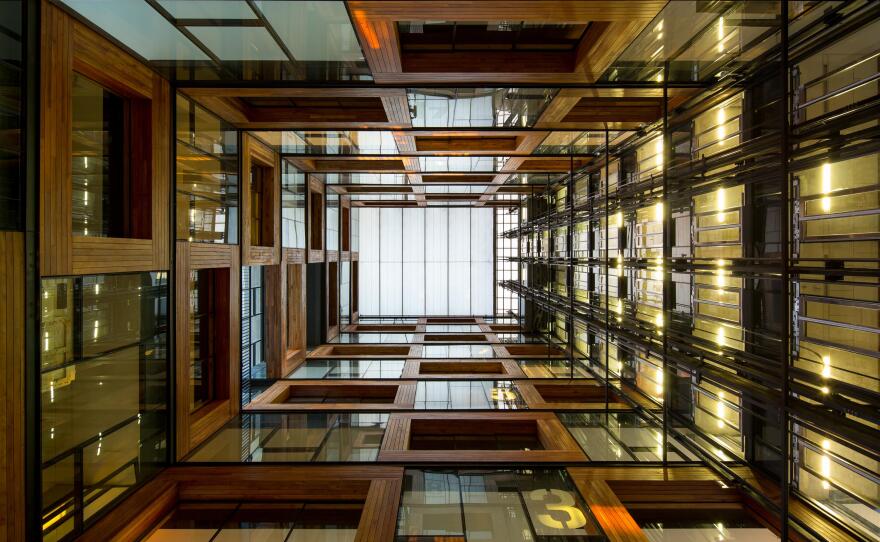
column 337, row 142
column 140, row 28
column 239, row 42
column 477, row 107
column 314, row 30
column 573, row 142
column 233, row 40
column 208, row 9
column 362, row 178
column 441, row 164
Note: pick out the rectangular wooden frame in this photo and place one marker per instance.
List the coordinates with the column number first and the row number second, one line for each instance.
column 70, row 47
column 195, row 427
column 559, row 446
column 273, row 398
column 255, row 152
column 285, row 344
column 377, row 486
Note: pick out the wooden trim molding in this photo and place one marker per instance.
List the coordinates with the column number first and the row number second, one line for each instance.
column 69, row 47
column 195, row 427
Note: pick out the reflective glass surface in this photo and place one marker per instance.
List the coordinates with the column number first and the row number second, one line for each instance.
column 457, row 351
column 552, row 368
column 509, row 505
column 259, row 522
column 207, row 176
column 344, row 368
column 103, row 392
column 465, row 395
column 11, row 80
column 307, row 437
column 235, row 40
column 331, row 142
column 293, row 206
column 620, row 436
column 373, row 338
column 477, row 107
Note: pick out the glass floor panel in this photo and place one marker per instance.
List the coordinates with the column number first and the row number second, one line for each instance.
column 372, row 338
column 552, row 368
column 259, row 522
column 454, row 351
column 319, row 369
column 466, row 395
column 387, row 320
column 295, row 437
column 701, row 526
column 620, row 436
column 452, row 328
column 493, row 505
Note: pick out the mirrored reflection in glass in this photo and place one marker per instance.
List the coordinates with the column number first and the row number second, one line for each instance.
column 466, row 395
column 457, row 351
column 317, row 369
column 688, row 525
column 263, row 522
column 103, row 391
column 477, row 107
column 620, row 436
column 207, row 176
column 234, row 39
column 698, row 43
column 509, row 505
column 306, row 437
column 552, row 368
column 293, row 206
column 373, row 338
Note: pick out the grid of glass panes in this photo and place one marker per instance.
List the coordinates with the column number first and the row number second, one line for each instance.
column 417, row 261
column 293, row 206
column 506, row 301
column 207, row 176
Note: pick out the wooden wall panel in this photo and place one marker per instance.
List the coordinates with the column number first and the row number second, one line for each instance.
column 68, row 47
column 12, row 400
column 56, row 199
column 274, row 318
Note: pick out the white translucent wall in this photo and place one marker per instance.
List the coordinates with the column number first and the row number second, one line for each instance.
column 425, row 261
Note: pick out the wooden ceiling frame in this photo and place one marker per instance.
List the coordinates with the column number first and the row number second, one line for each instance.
column 229, row 103
column 612, row 25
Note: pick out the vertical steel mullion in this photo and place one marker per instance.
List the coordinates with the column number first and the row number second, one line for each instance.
column 569, row 252
column 607, row 311
column 667, row 253
column 785, row 225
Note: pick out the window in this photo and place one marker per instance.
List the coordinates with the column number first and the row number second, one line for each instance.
column 425, row 261
column 207, row 176
column 103, row 390
column 111, row 175
column 252, row 323
column 209, row 303
column 261, row 194
column 293, row 207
